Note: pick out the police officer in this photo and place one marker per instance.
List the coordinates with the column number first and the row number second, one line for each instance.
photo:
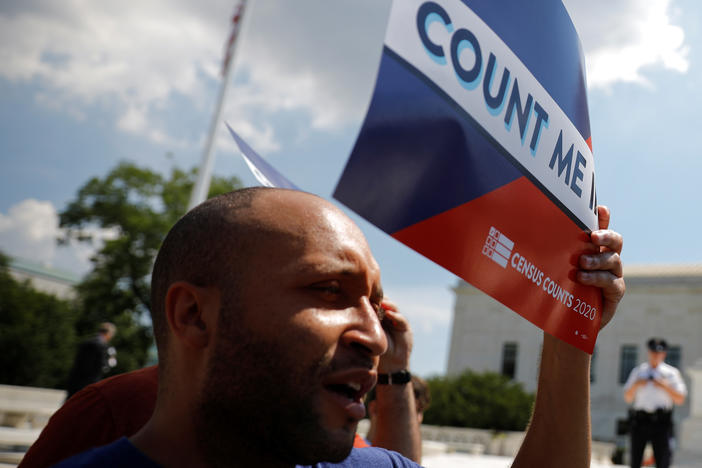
column 653, row 387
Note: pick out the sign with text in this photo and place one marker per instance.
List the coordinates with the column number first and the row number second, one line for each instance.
column 476, row 153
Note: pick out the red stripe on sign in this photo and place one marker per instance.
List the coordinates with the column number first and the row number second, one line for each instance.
column 517, row 246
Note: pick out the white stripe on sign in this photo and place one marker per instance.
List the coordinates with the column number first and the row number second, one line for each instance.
column 512, row 107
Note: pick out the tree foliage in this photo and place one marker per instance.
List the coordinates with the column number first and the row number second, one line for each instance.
column 479, row 400
column 138, row 206
column 37, row 334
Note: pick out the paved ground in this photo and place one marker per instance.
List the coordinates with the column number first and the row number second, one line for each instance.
column 460, row 460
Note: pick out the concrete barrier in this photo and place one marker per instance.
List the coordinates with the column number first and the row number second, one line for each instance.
column 437, row 440
column 24, row 411
column 473, row 441
column 505, row 444
column 28, row 407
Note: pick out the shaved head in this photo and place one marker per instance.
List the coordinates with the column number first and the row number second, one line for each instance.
column 192, row 248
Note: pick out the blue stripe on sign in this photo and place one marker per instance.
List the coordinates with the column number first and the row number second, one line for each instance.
column 546, row 52
column 433, row 157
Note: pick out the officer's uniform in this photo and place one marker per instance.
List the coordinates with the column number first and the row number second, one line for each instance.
column 652, row 412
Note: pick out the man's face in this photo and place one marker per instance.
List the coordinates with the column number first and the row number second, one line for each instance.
column 299, row 342
column 655, row 357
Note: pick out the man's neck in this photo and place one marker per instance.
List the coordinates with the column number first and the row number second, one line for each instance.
column 168, row 441
column 174, row 444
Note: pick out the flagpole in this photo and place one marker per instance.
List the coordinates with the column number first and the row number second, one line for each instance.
column 204, row 174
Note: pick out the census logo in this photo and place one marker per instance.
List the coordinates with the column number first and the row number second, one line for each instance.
column 498, row 247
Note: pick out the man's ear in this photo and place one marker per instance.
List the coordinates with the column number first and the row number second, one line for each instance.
column 192, row 313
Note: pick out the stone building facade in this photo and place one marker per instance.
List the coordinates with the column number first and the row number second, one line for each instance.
column 664, row 301
column 44, row 278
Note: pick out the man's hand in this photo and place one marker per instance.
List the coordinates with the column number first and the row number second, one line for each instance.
column 397, row 426
column 601, row 266
column 677, row 397
column 399, row 335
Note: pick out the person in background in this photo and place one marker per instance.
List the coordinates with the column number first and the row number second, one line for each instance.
column 653, row 389
column 93, row 358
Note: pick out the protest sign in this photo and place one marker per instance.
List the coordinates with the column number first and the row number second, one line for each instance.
column 476, row 153
column 266, row 174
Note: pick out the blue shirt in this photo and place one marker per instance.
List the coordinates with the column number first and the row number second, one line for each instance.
column 119, row 453
column 122, row 453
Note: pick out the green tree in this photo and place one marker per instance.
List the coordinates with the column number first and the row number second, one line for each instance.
column 138, row 206
column 479, row 400
column 37, row 334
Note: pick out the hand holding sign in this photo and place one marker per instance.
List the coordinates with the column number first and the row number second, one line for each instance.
column 603, row 268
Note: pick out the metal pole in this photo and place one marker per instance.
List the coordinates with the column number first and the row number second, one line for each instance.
column 204, row 175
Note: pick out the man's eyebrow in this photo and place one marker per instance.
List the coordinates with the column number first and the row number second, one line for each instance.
column 338, row 267
column 325, row 270
column 347, row 270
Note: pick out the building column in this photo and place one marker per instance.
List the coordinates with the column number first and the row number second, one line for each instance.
column 690, row 430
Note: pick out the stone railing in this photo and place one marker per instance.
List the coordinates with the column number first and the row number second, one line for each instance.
column 474, row 441
column 28, row 407
column 24, row 411
column 445, row 439
column 482, row 441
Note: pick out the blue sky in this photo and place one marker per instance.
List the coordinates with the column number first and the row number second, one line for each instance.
column 85, row 84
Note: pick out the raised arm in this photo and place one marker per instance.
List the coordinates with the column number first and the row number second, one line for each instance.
column 397, row 427
column 559, row 432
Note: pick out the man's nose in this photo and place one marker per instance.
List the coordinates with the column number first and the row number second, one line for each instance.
column 366, row 332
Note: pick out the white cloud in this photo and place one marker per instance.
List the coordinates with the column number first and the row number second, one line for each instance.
column 292, row 58
column 262, row 140
column 624, row 38
column 134, row 57
column 133, row 120
column 301, row 56
column 29, row 231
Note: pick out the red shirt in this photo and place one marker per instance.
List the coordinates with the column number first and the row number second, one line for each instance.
column 97, row 415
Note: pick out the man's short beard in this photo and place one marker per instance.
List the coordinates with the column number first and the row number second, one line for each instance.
column 257, row 400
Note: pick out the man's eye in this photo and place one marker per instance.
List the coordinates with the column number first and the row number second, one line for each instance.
column 328, row 288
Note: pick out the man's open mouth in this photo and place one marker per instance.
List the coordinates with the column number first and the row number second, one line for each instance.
column 351, row 391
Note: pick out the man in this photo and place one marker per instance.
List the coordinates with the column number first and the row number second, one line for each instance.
column 267, row 316
column 92, row 360
column 653, row 387
column 119, row 406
